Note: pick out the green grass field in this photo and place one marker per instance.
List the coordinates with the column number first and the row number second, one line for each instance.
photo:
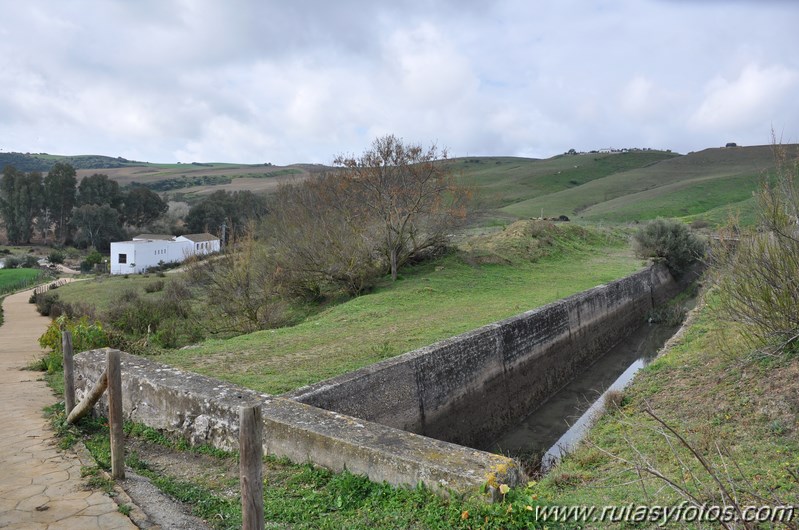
column 14, row 279
column 431, row 302
column 106, row 291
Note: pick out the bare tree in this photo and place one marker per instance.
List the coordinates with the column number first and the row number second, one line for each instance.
column 240, row 287
column 409, row 191
column 322, row 237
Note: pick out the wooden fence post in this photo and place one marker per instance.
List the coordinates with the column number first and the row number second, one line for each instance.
column 69, row 371
column 251, row 451
column 115, row 415
column 94, row 395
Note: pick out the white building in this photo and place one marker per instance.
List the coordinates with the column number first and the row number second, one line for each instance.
column 150, row 250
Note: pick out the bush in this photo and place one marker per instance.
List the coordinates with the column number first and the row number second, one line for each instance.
column 12, row 262
column 94, row 258
column 669, row 241
column 85, row 336
column 154, row 287
column 758, row 272
column 56, row 257
column 129, row 295
column 45, row 302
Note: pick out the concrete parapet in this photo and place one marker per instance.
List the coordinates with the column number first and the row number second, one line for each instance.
column 205, row 410
column 469, row 388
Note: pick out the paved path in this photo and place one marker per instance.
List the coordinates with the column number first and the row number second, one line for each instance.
column 40, row 486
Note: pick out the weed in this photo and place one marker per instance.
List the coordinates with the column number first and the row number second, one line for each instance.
column 99, row 482
column 154, row 287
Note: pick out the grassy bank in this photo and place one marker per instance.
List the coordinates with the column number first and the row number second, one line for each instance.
column 490, row 278
column 736, row 409
column 104, row 292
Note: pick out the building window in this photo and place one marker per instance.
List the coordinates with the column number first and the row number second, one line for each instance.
column 123, row 258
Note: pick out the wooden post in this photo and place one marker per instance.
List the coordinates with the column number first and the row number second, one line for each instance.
column 69, row 377
column 251, row 468
column 115, row 415
column 85, row 406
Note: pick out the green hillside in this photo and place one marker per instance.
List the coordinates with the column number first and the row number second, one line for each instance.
column 593, row 187
column 43, row 162
column 505, row 181
column 623, row 187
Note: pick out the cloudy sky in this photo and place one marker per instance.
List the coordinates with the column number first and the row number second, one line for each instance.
column 305, row 80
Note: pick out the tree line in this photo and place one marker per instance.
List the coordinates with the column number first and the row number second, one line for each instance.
column 59, row 210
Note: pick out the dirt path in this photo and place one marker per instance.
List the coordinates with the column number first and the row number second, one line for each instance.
column 40, row 486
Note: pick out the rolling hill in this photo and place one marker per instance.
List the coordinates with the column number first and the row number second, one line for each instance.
column 191, row 180
column 624, row 187
column 593, row 187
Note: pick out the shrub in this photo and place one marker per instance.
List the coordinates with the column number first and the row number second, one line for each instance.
column 56, row 257
column 758, row 272
column 154, row 287
column 72, row 253
column 94, row 258
column 12, row 262
column 669, row 241
column 45, row 302
column 85, row 336
column 128, row 295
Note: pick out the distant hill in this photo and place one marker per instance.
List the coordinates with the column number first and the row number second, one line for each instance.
column 189, row 181
column 43, row 162
column 596, row 187
column 623, row 187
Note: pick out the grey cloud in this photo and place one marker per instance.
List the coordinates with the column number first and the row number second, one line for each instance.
column 305, row 80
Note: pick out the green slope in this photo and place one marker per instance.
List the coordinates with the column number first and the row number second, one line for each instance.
column 504, row 181
column 623, row 187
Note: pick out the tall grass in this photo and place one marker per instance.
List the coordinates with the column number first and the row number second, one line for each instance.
column 17, row 279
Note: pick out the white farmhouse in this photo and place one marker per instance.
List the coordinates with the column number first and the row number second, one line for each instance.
column 148, row 250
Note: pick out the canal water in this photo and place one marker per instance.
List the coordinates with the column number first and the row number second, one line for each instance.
column 555, row 427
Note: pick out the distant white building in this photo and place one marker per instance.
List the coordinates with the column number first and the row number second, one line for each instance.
column 150, row 250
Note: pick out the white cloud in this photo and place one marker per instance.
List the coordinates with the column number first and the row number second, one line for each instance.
column 255, row 81
column 754, row 97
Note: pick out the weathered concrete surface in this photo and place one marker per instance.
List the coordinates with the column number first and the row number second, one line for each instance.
column 468, row 388
column 205, row 410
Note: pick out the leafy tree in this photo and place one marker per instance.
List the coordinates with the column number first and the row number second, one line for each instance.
column 99, row 189
column 60, row 186
column 410, row 194
column 96, row 225
column 143, row 206
column 20, row 203
column 234, row 210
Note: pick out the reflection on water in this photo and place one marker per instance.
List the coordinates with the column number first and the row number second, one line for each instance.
column 561, row 421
